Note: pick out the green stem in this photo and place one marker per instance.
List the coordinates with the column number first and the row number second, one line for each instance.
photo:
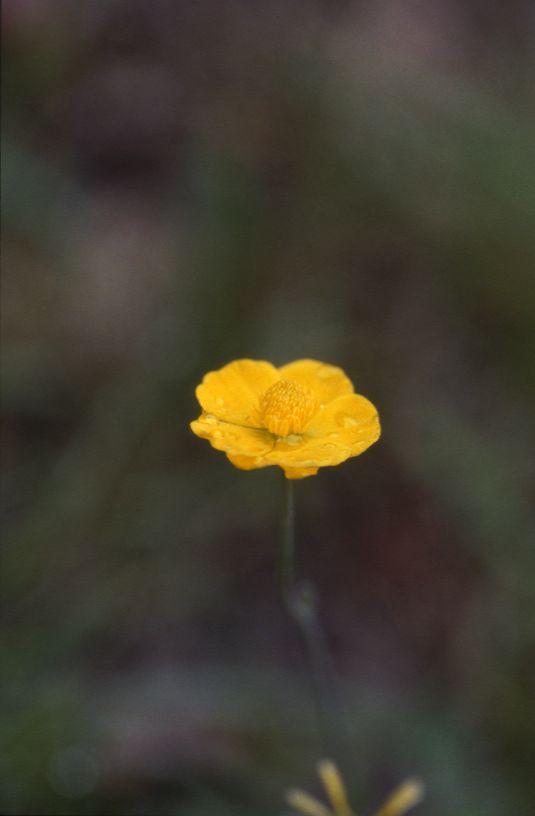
column 300, row 601
column 288, row 541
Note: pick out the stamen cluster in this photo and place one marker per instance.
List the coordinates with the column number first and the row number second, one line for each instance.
column 287, row 408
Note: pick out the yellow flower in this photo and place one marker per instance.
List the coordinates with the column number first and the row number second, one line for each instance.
column 302, row 416
column 405, row 797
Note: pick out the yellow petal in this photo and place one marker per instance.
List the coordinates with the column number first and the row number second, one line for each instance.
column 233, row 392
column 234, row 439
column 334, row 786
column 247, row 462
column 299, row 473
column 405, row 797
column 306, row 804
column 326, row 381
column 352, row 420
column 253, row 463
column 344, row 428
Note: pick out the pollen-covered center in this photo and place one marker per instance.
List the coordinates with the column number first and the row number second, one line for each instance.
column 287, row 408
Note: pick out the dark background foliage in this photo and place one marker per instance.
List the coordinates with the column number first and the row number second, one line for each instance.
column 188, row 183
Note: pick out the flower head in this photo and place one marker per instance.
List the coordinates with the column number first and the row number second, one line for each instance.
column 302, row 416
column 401, row 800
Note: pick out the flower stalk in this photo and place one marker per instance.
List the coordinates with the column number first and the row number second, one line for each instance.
column 287, row 559
column 301, row 603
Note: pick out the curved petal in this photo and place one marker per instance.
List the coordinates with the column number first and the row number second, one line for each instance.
column 247, row 462
column 233, row 392
column 237, row 440
column 256, row 462
column 299, row 473
column 326, row 381
column 344, row 428
column 351, row 420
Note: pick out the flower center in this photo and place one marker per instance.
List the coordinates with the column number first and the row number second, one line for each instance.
column 287, row 408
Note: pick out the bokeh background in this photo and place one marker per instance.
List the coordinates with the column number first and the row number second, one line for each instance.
column 189, row 183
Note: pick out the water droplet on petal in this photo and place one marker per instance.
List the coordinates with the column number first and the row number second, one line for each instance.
column 326, row 371
column 345, row 420
column 218, row 434
column 220, row 401
column 210, row 419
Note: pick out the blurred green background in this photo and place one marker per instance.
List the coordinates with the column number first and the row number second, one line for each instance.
column 189, row 183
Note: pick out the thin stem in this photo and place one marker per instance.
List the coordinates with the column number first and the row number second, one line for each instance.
column 300, row 601
column 304, row 611
column 288, row 541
